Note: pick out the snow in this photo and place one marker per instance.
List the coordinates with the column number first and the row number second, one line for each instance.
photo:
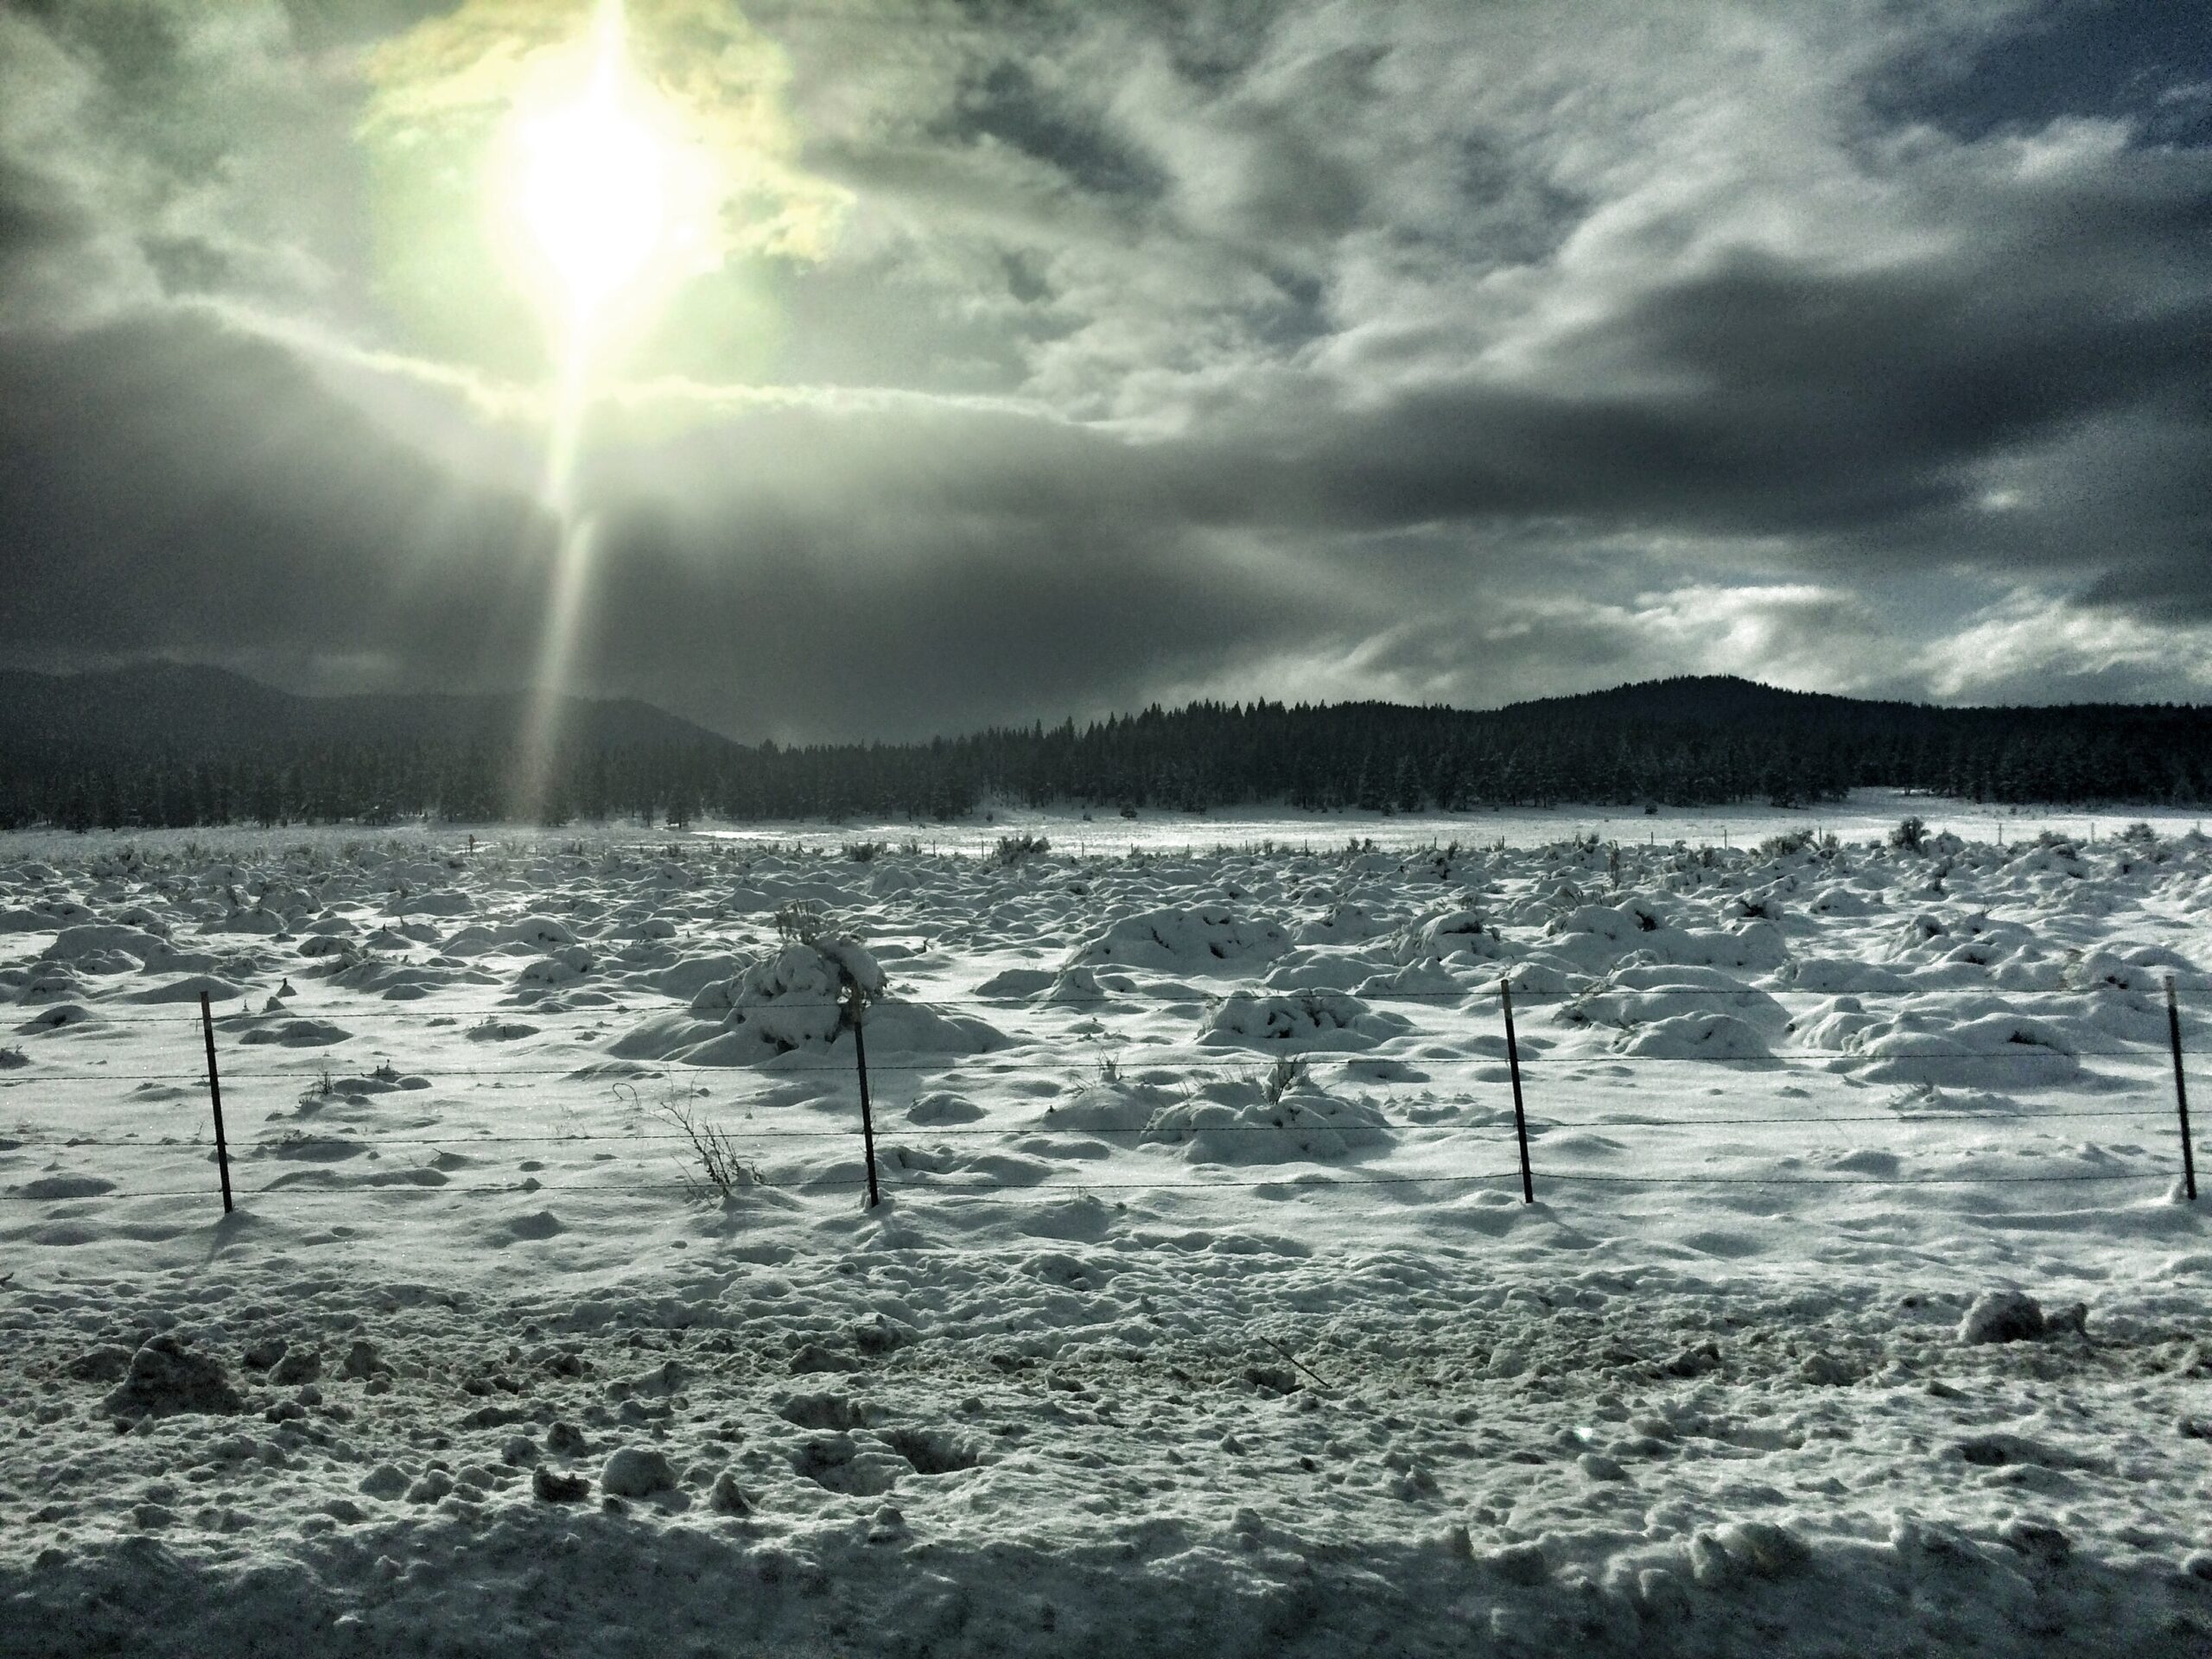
column 1859, row 1310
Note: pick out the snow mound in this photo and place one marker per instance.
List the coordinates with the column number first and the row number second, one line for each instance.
column 1425, row 982
column 1300, row 1021
column 563, row 966
column 1716, row 1036
column 941, row 1107
column 791, row 999
column 1235, row 1122
column 1916, row 1047
column 189, row 989
column 532, row 934
column 167, row 1379
column 1455, row 935
column 1016, row 984
column 1642, row 993
column 1178, row 940
column 686, row 978
column 94, row 940
column 1118, row 1107
column 1595, row 937
column 296, row 1034
column 1839, row 976
column 2002, row 1316
column 1345, row 924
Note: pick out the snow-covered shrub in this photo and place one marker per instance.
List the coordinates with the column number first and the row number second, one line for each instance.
column 1715, row 1036
column 1460, row 935
column 1644, row 994
column 1299, row 1019
column 798, row 997
column 1940, row 1048
column 1175, row 939
column 1012, row 849
column 1233, row 1123
column 801, row 921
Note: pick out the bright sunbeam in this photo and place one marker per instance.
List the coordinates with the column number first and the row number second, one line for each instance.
column 608, row 193
column 593, row 191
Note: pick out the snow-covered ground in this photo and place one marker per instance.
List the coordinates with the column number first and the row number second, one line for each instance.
column 1867, row 813
column 1203, row 1313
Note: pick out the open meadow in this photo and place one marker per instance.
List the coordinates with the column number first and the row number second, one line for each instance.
column 1860, row 1308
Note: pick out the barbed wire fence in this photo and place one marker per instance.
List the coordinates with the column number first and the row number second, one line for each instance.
column 907, row 1158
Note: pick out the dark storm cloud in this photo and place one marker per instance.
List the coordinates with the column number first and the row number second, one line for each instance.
column 2111, row 58
column 1432, row 351
column 1786, row 399
column 171, row 485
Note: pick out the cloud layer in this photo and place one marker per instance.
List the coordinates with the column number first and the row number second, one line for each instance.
column 1432, row 351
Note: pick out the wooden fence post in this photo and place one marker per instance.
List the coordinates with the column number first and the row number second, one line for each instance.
column 2181, row 1092
column 215, row 1097
column 856, row 1011
column 1519, row 1118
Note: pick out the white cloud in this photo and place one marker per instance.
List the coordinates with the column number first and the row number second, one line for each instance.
column 2030, row 645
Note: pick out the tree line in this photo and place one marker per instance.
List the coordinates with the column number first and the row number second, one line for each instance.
column 1681, row 743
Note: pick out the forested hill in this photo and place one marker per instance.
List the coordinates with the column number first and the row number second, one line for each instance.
column 1686, row 742
column 164, row 745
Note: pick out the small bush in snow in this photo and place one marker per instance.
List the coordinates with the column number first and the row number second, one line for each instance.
column 1012, row 849
column 863, row 852
column 1910, row 834
column 803, row 921
column 1798, row 841
column 2139, row 832
column 722, row 1170
column 1285, row 1075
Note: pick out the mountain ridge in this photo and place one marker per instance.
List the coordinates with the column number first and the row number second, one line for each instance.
column 222, row 705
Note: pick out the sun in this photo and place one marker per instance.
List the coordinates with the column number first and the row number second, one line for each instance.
column 594, row 191
column 597, row 183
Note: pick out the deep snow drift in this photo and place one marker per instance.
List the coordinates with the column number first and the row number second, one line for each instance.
column 1859, row 1311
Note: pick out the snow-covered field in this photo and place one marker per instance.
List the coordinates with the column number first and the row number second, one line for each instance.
column 1203, row 1313
column 1868, row 813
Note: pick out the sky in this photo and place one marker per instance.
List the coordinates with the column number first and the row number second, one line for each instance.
column 1026, row 360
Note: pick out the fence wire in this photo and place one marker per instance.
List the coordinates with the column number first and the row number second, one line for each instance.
column 316, row 1079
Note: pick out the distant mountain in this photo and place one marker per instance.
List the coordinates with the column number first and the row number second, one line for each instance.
column 177, row 708
column 165, row 744
column 168, row 745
